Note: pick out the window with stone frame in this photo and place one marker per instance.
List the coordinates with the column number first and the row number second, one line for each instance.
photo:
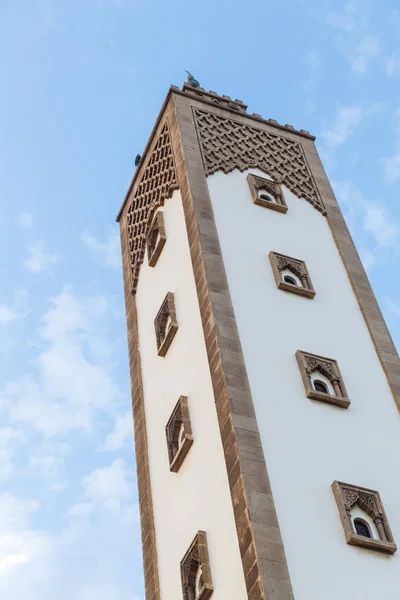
column 156, row 238
column 267, row 193
column 322, row 379
column 291, row 275
column 371, row 529
column 165, row 324
column 179, row 434
column 195, row 570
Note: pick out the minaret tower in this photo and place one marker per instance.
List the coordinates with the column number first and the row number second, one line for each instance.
column 265, row 384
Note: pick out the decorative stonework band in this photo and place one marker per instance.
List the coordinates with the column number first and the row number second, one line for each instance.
column 227, row 144
column 156, row 182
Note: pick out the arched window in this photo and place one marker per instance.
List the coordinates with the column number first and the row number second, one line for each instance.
column 288, row 276
column 321, row 383
column 264, row 195
column 362, row 528
column 198, row 585
column 320, row 386
column 181, row 435
column 165, row 324
column 156, row 238
column 289, row 279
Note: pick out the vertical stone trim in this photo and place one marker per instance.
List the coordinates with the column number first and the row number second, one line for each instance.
column 372, row 314
column 263, row 557
column 150, row 567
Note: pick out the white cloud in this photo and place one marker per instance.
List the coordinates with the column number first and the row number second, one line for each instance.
column 33, row 562
column 106, row 253
column 391, row 164
column 71, row 385
column 106, row 488
column 348, row 118
column 360, row 56
column 369, row 222
column 47, row 462
column 345, row 20
column 38, row 259
column 24, row 220
column 392, row 65
column 379, row 224
column 10, row 440
column 18, row 544
column 7, row 314
column 368, row 258
column 357, row 44
column 122, row 433
column 393, row 307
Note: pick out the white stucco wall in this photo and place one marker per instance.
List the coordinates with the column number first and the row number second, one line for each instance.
column 197, row 497
column 310, row 444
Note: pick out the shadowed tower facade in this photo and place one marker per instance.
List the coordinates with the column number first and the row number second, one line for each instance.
column 265, row 384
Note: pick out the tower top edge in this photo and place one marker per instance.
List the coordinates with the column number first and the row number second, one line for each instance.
column 238, row 106
column 210, row 98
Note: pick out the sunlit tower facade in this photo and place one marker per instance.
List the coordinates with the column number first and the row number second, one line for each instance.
column 265, row 384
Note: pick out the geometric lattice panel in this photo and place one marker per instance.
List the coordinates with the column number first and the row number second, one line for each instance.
column 157, row 183
column 227, row 145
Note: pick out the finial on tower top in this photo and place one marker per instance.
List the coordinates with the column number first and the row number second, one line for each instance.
column 191, row 80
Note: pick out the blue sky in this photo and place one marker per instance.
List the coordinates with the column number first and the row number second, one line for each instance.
column 82, row 83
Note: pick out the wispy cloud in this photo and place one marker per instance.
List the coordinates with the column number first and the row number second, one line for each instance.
column 10, row 440
column 106, row 253
column 373, row 227
column 361, row 55
column 391, row 164
column 392, row 65
column 71, row 383
column 356, row 42
column 24, row 220
column 122, row 433
column 7, row 314
column 346, row 19
column 348, row 118
column 106, row 488
column 39, row 259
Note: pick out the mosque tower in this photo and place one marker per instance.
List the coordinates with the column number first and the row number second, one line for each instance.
column 265, row 384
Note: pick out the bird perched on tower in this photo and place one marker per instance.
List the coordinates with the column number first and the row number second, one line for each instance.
column 191, row 80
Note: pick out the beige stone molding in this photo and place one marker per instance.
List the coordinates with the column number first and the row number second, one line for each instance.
column 165, row 324
column 156, row 238
column 261, row 191
column 264, row 563
column 149, row 548
column 195, row 559
column 347, row 496
column 179, row 434
column 281, row 262
column 330, row 369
